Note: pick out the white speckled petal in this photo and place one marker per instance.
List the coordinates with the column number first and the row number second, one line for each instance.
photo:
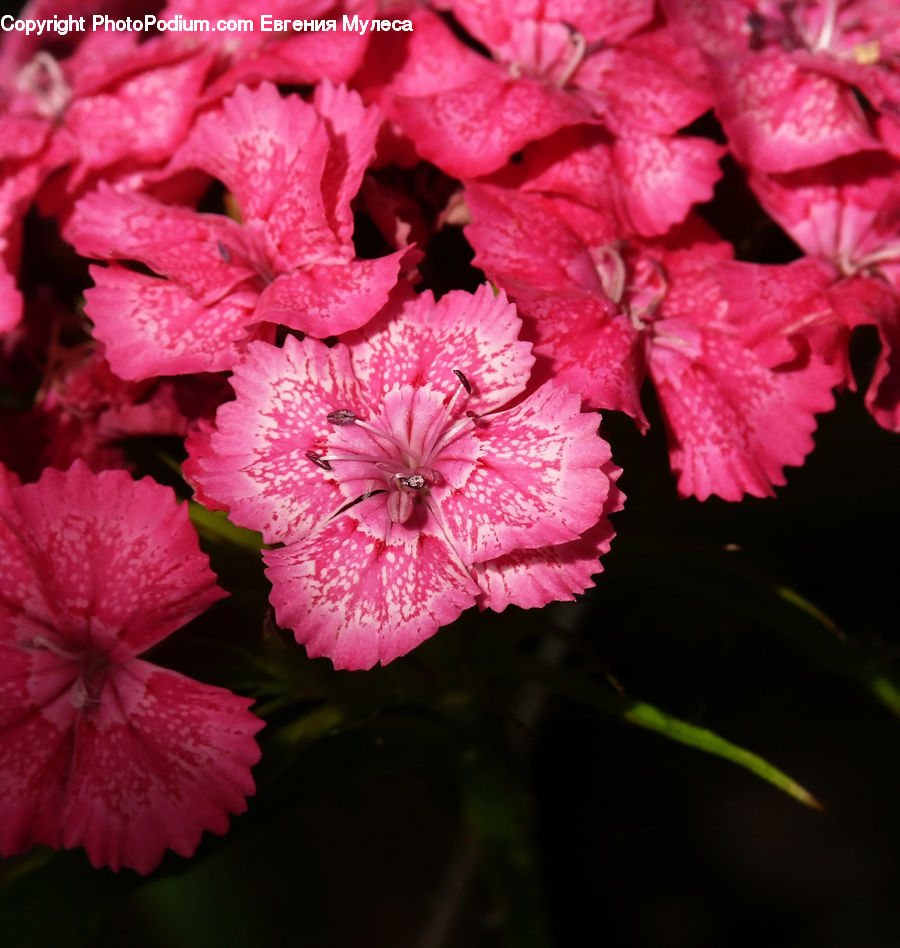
column 330, row 298
column 160, row 760
column 35, row 746
column 258, row 465
column 154, row 327
column 252, row 144
column 117, row 560
column 359, row 600
column 537, row 481
column 175, row 242
column 419, row 340
column 532, row 578
column 352, row 128
column 733, row 423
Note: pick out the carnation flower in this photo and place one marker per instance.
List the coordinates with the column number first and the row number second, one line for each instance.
column 613, row 70
column 722, row 340
column 113, row 104
column 408, row 476
column 100, row 748
column 293, row 168
column 847, row 213
column 786, row 75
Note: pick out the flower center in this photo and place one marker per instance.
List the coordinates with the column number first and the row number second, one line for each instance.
column 816, row 27
column 43, row 79
column 548, row 51
column 638, row 285
column 92, row 669
column 407, row 452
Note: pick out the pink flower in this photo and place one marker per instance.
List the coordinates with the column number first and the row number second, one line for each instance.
column 102, row 749
column 847, row 213
column 112, row 103
column 723, row 341
column 286, row 56
column 408, row 476
column 604, row 64
column 293, row 168
column 785, row 75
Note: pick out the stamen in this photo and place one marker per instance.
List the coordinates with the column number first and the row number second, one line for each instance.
column 364, row 496
column 826, row 34
column 610, row 268
column 413, row 482
column 341, row 417
column 463, row 381
column 579, row 47
column 224, row 252
column 411, row 458
column 53, row 94
column 452, row 433
column 41, row 641
column 319, row 461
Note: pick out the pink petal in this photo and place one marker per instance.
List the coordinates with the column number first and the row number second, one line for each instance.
column 175, row 242
column 329, row 299
column 780, row 310
column 733, row 424
column 518, row 237
column 193, row 468
column 25, row 136
column 253, row 143
column 588, row 344
column 527, row 249
column 418, row 339
column 636, row 183
column 537, row 481
column 779, row 117
column 465, row 113
column 259, row 465
column 531, row 579
column 841, row 211
column 160, row 760
column 650, row 82
column 297, row 59
column 145, row 118
column 35, row 746
column 883, row 395
column 868, row 301
column 117, row 560
column 22, row 594
column 154, row 327
column 594, row 19
column 352, row 129
column 360, row 600
column 473, row 128
column 663, row 177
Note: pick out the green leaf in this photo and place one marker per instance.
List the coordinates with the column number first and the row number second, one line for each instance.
column 840, row 655
column 654, row 719
column 214, row 525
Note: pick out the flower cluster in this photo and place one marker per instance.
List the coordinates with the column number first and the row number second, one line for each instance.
column 262, row 212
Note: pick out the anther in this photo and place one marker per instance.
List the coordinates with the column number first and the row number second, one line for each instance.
column 224, row 252
column 463, row 381
column 413, row 482
column 343, row 416
column 319, row 461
